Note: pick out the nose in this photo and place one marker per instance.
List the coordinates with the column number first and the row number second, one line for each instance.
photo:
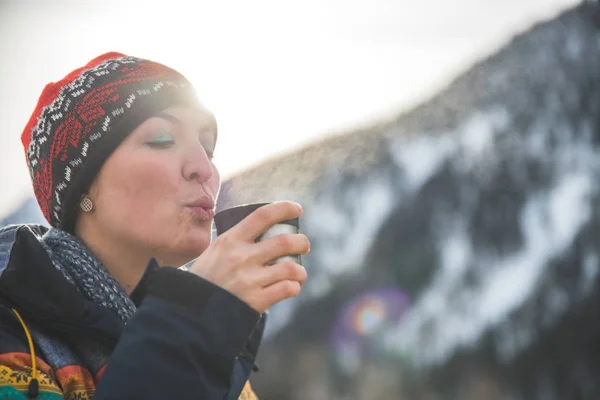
column 197, row 165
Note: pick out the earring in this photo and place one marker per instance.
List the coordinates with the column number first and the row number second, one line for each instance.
column 86, row 204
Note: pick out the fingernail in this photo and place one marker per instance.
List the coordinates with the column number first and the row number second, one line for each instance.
column 299, row 207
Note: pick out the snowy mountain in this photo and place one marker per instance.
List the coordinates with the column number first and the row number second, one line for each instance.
column 455, row 250
column 27, row 213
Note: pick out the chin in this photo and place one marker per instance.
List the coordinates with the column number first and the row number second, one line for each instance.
column 188, row 246
column 194, row 247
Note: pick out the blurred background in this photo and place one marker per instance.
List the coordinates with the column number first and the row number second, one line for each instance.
column 446, row 154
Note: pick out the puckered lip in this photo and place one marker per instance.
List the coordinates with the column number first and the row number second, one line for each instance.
column 204, row 202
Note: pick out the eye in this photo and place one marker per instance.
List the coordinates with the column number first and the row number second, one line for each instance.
column 210, row 152
column 161, row 140
column 209, row 146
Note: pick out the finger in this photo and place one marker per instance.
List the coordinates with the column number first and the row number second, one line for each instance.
column 281, row 245
column 279, row 291
column 256, row 223
column 283, row 271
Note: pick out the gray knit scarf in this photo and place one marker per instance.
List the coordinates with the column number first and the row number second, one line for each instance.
column 84, row 270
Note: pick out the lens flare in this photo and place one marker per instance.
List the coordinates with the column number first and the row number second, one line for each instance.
column 368, row 315
column 363, row 321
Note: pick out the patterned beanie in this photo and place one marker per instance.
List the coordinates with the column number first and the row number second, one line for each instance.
column 80, row 120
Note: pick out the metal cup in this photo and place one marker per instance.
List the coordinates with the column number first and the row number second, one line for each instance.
column 226, row 219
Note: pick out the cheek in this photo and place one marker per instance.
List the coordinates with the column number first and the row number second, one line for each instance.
column 137, row 190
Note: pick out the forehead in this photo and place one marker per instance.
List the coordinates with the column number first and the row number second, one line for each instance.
column 194, row 117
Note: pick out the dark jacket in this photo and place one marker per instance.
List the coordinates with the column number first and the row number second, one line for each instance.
column 189, row 339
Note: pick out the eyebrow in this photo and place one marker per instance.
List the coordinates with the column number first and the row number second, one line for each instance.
column 173, row 119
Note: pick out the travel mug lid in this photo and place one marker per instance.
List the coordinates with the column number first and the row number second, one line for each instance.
column 226, row 219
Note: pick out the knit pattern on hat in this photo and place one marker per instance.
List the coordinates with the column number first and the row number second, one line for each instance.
column 80, row 120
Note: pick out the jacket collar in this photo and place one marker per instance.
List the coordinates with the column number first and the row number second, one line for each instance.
column 30, row 283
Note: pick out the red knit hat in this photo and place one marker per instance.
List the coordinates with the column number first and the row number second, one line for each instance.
column 80, row 120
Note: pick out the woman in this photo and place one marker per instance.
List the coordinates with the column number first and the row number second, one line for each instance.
column 120, row 155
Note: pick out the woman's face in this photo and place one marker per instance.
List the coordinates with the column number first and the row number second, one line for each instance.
column 157, row 191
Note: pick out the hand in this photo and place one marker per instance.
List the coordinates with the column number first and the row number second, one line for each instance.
column 237, row 264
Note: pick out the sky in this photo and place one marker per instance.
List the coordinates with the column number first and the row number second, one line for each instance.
column 277, row 74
